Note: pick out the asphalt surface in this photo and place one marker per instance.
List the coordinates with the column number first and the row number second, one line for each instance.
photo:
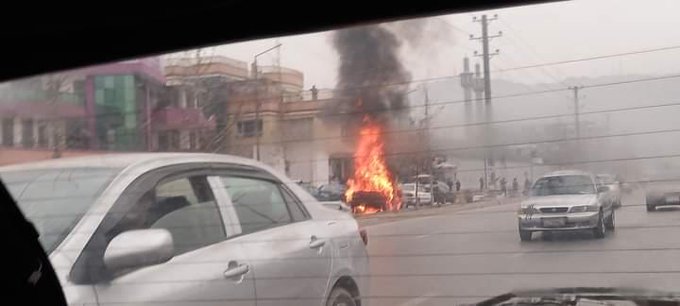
column 460, row 256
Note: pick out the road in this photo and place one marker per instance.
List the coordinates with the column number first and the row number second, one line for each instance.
column 469, row 255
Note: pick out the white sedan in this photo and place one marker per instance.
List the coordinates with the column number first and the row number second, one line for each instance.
column 178, row 229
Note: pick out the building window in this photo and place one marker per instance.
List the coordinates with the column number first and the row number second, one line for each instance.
column 27, row 133
column 249, row 128
column 42, row 135
column 8, row 131
column 168, row 140
column 193, row 140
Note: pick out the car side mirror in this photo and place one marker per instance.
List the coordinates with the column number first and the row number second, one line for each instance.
column 602, row 189
column 138, row 248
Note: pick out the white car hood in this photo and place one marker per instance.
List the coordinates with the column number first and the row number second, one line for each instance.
column 560, row 200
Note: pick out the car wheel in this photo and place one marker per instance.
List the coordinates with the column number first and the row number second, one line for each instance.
column 610, row 222
column 651, row 207
column 340, row 297
column 600, row 230
column 525, row 235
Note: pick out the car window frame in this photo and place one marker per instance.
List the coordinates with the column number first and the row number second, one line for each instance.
column 281, row 186
column 91, row 256
column 297, row 202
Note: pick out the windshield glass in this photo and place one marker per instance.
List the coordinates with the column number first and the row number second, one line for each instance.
column 568, row 184
column 55, row 199
column 543, row 139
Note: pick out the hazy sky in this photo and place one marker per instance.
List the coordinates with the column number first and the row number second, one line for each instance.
column 531, row 34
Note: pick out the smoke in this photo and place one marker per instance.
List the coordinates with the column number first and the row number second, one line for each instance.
column 371, row 77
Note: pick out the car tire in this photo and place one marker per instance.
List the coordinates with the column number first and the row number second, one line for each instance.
column 600, row 230
column 651, row 207
column 525, row 235
column 610, row 224
column 341, row 297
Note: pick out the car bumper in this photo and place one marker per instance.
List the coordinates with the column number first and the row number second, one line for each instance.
column 558, row 222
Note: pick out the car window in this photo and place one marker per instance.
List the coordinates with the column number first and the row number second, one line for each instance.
column 183, row 206
column 562, row 185
column 297, row 210
column 259, row 204
column 55, row 199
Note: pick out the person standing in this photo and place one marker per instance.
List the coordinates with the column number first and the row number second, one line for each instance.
column 527, row 185
column 515, row 186
column 481, row 184
column 504, row 186
column 457, row 185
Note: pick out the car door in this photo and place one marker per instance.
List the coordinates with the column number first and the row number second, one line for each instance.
column 207, row 267
column 289, row 251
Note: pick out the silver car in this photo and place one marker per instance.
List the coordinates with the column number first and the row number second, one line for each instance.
column 177, row 229
column 564, row 201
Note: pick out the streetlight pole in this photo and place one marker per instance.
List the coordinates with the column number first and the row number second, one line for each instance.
column 258, row 103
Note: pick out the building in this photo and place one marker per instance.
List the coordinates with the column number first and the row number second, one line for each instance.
column 38, row 112
column 194, row 108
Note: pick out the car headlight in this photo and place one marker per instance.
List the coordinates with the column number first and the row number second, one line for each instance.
column 584, row 208
column 527, row 211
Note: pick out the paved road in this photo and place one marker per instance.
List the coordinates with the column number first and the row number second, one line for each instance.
column 466, row 256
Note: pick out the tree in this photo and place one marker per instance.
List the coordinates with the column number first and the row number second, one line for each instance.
column 55, row 85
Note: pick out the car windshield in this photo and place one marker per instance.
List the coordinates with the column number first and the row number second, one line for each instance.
column 560, row 185
column 436, row 159
column 55, row 199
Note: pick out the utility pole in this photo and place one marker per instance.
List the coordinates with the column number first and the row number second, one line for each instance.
column 486, row 58
column 577, row 121
column 430, row 158
column 258, row 103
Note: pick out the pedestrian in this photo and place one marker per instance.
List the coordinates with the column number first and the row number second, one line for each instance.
column 481, row 184
column 457, row 185
column 504, row 186
column 527, row 185
column 315, row 93
column 449, row 183
column 515, row 186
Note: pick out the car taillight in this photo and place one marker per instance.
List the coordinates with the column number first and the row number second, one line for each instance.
column 364, row 236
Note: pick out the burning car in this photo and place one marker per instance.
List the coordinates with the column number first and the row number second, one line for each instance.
column 372, row 188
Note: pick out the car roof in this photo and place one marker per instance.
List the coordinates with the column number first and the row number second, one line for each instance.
column 129, row 160
column 567, row 172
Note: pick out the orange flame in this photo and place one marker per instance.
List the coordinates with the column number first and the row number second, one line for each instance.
column 370, row 169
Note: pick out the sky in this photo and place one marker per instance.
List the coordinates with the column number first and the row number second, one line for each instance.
column 531, row 34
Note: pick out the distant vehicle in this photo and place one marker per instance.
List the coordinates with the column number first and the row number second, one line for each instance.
column 408, row 193
column 187, row 227
column 615, row 193
column 331, row 192
column 441, row 192
column 565, row 201
column 662, row 194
